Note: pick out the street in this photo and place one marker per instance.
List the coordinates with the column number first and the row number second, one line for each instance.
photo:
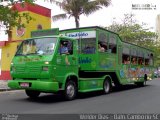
column 130, row 99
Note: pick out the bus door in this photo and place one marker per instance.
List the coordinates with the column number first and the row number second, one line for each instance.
column 66, row 57
column 86, row 48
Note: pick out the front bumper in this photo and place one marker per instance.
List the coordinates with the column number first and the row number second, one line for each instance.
column 38, row 85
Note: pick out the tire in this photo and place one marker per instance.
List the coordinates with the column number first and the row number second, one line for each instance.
column 140, row 84
column 145, row 79
column 107, row 86
column 32, row 94
column 70, row 92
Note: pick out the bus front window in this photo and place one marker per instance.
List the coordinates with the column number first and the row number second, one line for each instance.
column 40, row 46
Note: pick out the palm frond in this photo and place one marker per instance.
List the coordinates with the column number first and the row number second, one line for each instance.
column 67, row 8
column 58, row 3
column 95, row 5
column 105, row 3
column 74, row 8
column 90, row 8
column 59, row 16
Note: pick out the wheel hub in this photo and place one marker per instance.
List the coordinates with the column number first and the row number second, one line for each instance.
column 70, row 90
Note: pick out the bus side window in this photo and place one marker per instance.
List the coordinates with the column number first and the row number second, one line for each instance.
column 134, row 60
column 112, row 43
column 70, row 47
column 146, row 61
column 112, row 48
column 151, row 59
column 126, row 59
column 147, row 56
column 140, row 61
column 134, row 55
column 140, row 57
column 126, row 54
column 102, row 47
column 66, row 47
column 102, row 42
column 88, row 45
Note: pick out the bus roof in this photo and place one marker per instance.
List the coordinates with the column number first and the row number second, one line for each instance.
column 97, row 27
column 61, row 36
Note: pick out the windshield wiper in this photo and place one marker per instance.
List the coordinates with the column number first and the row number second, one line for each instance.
column 30, row 53
column 20, row 54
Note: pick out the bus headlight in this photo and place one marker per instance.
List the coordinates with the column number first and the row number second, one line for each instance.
column 46, row 62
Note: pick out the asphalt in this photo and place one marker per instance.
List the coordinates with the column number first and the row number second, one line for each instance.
column 130, row 99
column 4, row 86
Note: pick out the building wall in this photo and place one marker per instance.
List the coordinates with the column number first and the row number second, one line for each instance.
column 42, row 20
column 38, row 20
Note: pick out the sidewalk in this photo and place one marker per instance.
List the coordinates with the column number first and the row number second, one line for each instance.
column 3, row 85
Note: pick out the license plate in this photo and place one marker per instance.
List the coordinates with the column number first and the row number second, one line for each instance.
column 24, row 85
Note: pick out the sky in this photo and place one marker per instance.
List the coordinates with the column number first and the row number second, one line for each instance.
column 117, row 9
column 104, row 17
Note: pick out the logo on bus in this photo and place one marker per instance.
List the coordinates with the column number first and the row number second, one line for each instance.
column 84, row 60
column 78, row 35
column 85, row 34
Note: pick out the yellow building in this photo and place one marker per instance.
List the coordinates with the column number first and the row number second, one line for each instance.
column 42, row 20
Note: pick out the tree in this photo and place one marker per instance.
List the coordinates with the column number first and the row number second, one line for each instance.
column 130, row 31
column 75, row 8
column 157, row 51
column 9, row 16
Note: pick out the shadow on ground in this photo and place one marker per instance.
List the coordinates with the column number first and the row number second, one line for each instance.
column 56, row 98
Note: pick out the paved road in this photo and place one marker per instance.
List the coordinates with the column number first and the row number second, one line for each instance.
column 130, row 99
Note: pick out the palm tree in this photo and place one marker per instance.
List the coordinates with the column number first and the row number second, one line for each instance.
column 75, row 8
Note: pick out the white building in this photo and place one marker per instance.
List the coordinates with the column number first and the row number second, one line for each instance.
column 158, row 25
column 4, row 2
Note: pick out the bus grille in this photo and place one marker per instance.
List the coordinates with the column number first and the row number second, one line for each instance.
column 34, row 69
column 20, row 69
column 28, row 69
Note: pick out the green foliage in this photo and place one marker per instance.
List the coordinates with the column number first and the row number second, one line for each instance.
column 156, row 48
column 10, row 18
column 130, row 31
column 75, row 8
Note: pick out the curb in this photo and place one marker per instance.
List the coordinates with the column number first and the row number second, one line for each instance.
column 8, row 89
column 4, row 85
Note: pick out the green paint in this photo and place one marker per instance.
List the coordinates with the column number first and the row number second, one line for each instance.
column 49, row 71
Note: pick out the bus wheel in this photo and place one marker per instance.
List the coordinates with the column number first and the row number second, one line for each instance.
column 145, row 79
column 107, row 86
column 140, row 84
column 32, row 94
column 70, row 90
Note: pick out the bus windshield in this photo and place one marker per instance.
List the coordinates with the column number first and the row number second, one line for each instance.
column 39, row 46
